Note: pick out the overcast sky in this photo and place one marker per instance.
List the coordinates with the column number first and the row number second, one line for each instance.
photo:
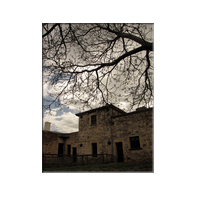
column 65, row 120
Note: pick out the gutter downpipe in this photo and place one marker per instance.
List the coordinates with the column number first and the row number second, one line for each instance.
column 110, row 122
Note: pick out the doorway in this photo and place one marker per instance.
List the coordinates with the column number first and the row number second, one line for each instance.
column 120, row 156
column 74, row 154
column 94, row 149
column 68, row 150
column 60, row 149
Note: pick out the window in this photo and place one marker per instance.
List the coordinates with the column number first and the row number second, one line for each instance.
column 94, row 149
column 135, row 142
column 93, row 119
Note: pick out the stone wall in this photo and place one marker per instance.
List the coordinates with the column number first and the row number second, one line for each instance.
column 49, row 142
column 130, row 125
column 98, row 133
column 124, row 126
column 73, row 140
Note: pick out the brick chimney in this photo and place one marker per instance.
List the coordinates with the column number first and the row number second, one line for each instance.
column 47, row 126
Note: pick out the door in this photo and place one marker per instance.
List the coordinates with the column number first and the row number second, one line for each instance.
column 60, row 149
column 68, row 150
column 94, row 149
column 120, row 156
column 74, row 154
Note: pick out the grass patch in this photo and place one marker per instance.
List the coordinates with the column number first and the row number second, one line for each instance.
column 115, row 167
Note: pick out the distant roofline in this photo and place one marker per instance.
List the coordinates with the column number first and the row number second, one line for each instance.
column 60, row 135
column 101, row 108
column 53, row 132
column 134, row 112
column 56, row 132
column 71, row 133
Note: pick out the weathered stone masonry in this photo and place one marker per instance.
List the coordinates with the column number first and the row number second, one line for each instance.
column 132, row 125
column 110, row 130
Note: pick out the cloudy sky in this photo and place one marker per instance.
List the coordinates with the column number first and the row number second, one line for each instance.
column 64, row 119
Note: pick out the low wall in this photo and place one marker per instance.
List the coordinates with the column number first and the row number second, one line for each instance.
column 65, row 159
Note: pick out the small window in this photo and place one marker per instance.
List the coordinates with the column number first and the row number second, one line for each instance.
column 93, row 119
column 135, row 142
column 94, row 149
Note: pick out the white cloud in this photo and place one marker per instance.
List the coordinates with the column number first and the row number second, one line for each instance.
column 47, row 88
column 66, row 123
column 123, row 105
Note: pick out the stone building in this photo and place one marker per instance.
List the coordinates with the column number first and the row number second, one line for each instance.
column 106, row 130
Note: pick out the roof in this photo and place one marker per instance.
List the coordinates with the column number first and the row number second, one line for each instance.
column 70, row 133
column 102, row 108
column 46, row 131
column 134, row 112
column 59, row 133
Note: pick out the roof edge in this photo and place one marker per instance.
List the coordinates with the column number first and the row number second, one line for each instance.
column 134, row 112
column 101, row 108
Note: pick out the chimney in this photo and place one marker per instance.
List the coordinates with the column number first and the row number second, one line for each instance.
column 47, row 126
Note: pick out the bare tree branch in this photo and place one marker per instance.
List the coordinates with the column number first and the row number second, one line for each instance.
column 95, row 64
column 49, row 31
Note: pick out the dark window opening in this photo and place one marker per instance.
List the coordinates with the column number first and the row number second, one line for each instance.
column 120, row 155
column 93, row 119
column 94, row 149
column 60, row 149
column 74, row 155
column 135, row 142
column 68, row 150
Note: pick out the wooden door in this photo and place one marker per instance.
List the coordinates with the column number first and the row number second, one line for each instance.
column 120, row 156
column 74, row 154
column 60, row 149
column 68, row 150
